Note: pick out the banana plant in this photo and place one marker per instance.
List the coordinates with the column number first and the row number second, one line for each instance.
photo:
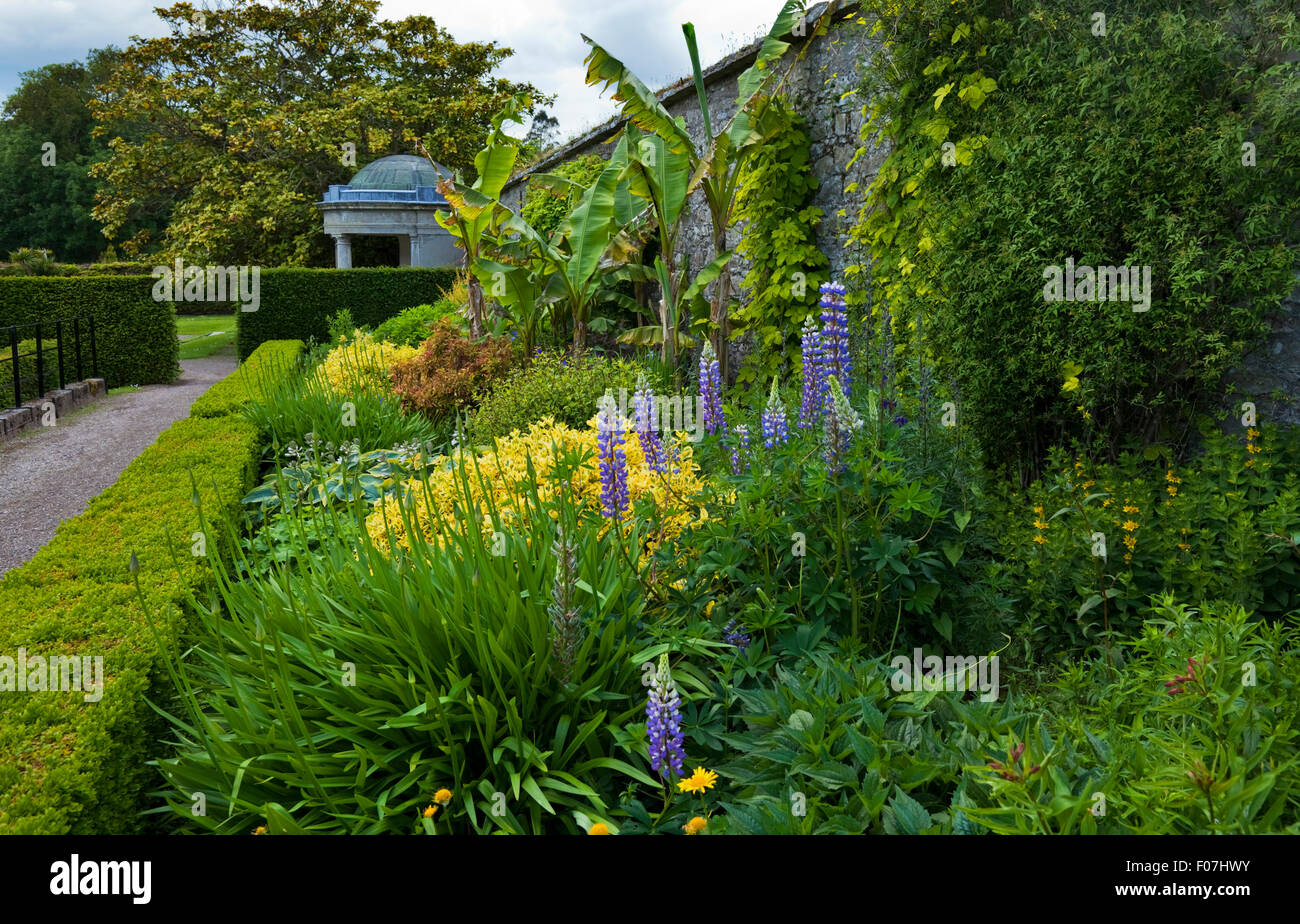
column 715, row 166
column 472, row 228
column 526, row 272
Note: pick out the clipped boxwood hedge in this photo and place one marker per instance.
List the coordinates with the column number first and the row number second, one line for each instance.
column 71, row 766
column 273, row 359
column 296, row 303
column 135, row 336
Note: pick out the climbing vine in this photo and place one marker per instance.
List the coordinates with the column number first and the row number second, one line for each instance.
column 779, row 241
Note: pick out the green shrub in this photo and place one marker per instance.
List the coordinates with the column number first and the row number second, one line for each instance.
column 1102, row 751
column 291, row 407
column 456, row 684
column 135, row 336
column 413, row 326
column 296, row 303
column 1225, row 527
column 1012, row 150
column 552, row 385
column 71, row 766
column 271, row 365
column 449, row 371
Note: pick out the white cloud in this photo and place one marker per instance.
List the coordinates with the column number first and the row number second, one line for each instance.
column 545, row 36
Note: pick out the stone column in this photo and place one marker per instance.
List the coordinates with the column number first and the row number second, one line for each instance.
column 403, row 250
column 417, row 248
column 343, row 251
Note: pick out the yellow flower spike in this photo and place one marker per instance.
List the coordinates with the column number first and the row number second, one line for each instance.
column 698, row 781
column 695, row 825
column 598, row 828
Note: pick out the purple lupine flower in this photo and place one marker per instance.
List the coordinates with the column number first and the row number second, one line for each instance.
column 735, row 636
column 610, row 427
column 647, row 426
column 740, row 449
column 663, row 722
column 838, row 427
column 835, row 334
column 888, row 397
column 814, row 379
column 775, row 428
column 711, row 391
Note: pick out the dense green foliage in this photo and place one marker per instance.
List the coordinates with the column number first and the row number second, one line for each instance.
column 46, row 155
column 297, row 303
column 554, row 385
column 72, row 766
column 413, row 325
column 271, row 364
column 1023, row 139
column 441, row 663
column 545, row 207
column 785, row 266
column 135, row 336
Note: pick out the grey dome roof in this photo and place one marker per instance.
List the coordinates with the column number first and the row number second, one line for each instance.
column 399, row 171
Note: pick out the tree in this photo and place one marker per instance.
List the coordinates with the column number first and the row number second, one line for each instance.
column 46, row 153
column 253, row 110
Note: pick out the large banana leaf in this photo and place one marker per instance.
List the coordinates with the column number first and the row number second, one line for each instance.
column 640, row 104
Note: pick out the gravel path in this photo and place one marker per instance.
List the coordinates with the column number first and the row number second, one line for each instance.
column 51, row 474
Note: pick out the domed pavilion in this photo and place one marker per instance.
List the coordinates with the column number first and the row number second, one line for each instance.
column 395, row 196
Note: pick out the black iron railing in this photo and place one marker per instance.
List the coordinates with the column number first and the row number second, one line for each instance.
column 32, row 378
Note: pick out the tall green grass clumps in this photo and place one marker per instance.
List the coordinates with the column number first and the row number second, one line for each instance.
column 348, row 407
column 342, row 693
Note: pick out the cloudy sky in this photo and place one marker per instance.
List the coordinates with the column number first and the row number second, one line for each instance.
column 545, row 35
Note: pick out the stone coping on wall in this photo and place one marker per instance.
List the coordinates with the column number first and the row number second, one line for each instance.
column 47, row 409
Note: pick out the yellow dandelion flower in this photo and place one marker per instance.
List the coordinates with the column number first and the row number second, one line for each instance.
column 431, row 811
column 442, row 796
column 695, row 825
column 698, row 781
column 1129, row 526
column 260, row 829
column 598, row 828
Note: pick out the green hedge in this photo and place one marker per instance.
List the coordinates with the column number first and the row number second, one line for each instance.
column 135, row 336
column 296, row 303
column 66, row 765
column 273, row 358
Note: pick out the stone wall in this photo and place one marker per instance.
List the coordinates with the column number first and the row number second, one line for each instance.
column 825, row 68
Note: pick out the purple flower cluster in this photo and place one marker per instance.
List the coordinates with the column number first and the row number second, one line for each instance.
column 838, row 427
column 643, row 410
column 613, row 459
column 814, row 378
column 663, row 722
column 740, row 449
column 711, row 391
column 735, row 636
column 835, row 334
column 775, row 428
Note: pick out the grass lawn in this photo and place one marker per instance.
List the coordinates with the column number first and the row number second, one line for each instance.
column 208, row 334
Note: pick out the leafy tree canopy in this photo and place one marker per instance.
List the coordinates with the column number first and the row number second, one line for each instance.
column 256, row 108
